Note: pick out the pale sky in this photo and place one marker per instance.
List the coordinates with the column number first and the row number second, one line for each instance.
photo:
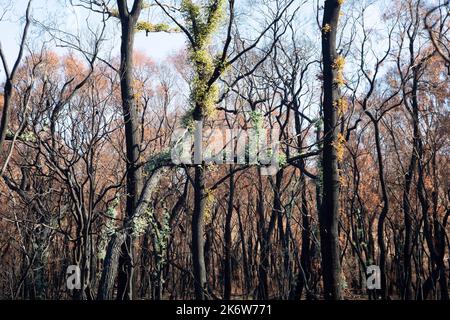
column 156, row 45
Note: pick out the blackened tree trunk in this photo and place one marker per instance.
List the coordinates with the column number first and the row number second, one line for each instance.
column 10, row 78
column 198, row 241
column 283, row 232
column 247, row 277
column 265, row 234
column 407, row 247
column 434, row 235
column 203, row 99
column 263, row 291
column 329, row 213
column 128, row 20
column 304, row 274
column 383, row 214
column 227, row 237
column 110, row 267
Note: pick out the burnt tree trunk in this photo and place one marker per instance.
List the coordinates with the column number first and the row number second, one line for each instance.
column 128, row 20
column 304, row 274
column 10, row 78
column 198, row 241
column 407, row 247
column 383, row 214
column 227, row 236
column 329, row 212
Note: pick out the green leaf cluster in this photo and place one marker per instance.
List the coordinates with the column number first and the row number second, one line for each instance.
column 202, row 19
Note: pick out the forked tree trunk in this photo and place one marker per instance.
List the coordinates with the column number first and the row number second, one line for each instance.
column 109, row 272
column 115, row 244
